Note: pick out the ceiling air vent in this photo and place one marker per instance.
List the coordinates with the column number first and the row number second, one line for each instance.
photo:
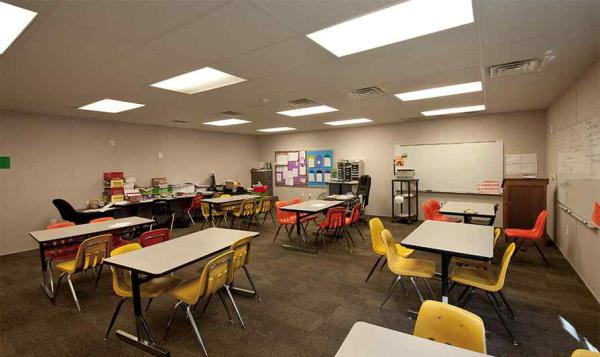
column 180, row 121
column 230, row 113
column 515, row 68
column 299, row 103
column 365, row 93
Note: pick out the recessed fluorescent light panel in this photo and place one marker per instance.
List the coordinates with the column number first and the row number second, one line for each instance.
column 441, row 91
column 474, row 108
column 227, row 122
column 276, row 130
column 111, row 106
column 198, row 81
column 348, row 122
column 318, row 109
column 393, row 24
column 13, row 20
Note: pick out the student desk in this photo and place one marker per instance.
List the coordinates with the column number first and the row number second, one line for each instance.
column 226, row 201
column 365, row 339
column 164, row 258
column 45, row 237
column 452, row 239
column 468, row 210
column 307, row 207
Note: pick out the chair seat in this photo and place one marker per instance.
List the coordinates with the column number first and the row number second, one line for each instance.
column 68, row 266
column 478, row 278
column 520, row 233
column 157, row 286
column 403, row 251
column 420, row 268
column 186, row 291
column 288, row 220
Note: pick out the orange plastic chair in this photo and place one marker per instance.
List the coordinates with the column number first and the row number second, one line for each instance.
column 334, row 220
column 154, row 237
column 353, row 219
column 284, row 219
column 116, row 241
column 427, row 211
column 435, row 208
column 101, row 219
column 306, row 217
column 534, row 234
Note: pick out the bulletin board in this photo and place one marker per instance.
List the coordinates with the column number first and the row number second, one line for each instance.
column 320, row 166
column 290, row 168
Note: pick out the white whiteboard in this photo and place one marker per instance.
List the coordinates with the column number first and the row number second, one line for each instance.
column 454, row 167
column 578, row 173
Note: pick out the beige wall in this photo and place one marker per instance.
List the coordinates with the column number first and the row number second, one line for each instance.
column 580, row 245
column 65, row 157
column 522, row 132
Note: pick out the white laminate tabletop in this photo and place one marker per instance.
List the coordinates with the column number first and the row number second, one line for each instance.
column 365, row 339
column 469, row 208
column 467, row 240
column 312, row 206
column 48, row 235
column 173, row 254
column 234, row 198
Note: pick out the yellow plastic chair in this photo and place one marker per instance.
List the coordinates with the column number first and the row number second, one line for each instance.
column 121, row 280
column 473, row 262
column 241, row 257
column 450, row 325
column 376, row 227
column 206, row 214
column 264, row 207
column 246, row 209
column 90, row 255
column 413, row 268
column 585, row 353
column 491, row 281
column 214, row 279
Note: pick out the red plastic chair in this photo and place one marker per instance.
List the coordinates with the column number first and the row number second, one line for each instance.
column 435, row 208
column 195, row 206
column 354, row 218
column 427, row 212
column 117, row 241
column 65, row 249
column 534, row 235
column 306, row 217
column 284, row 219
column 154, row 237
column 335, row 219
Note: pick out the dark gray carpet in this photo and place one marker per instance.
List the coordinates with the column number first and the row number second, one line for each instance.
column 309, row 304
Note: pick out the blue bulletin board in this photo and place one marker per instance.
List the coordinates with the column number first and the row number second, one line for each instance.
column 319, row 166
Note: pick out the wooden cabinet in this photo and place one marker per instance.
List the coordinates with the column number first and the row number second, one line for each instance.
column 522, row 200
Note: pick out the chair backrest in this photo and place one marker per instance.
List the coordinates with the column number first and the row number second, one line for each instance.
column 196, row 202
column 265, row 204
column 508, row 253
column 160, row 207
column 281, row 215
column 92, row 252
column 122, row 277
column 376, row 227
column 585, row 353
column 295, row 200
column 247, row 207
column 427, row 211
column 435, row 205
column 101, row 219
column 364, row 188
column 390, row 247
column 60, row 225
column 540, row 224
column 154, row 236
column 497, row 232
column 225, row 195
column 67, row 212
column 451, row 325
column 241, row 252
column 355, row 214
column 205, row 209
column 334, row 218
column 215, row 275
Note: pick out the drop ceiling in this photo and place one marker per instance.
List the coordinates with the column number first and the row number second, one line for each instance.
column 78, row 52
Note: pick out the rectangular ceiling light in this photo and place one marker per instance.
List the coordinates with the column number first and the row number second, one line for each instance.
column 198, row 81
column 111, row 106
column 441, row 91
column 318, row 109
column 393, row 24
column 276, row 130
column 473, row 108
column 348, row 122
column 13, row 20
column 227, row 122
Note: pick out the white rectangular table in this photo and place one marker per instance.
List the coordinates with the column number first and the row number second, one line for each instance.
column 365, row 339
column 164, row 258
column 307, row 207
column 46, row 236
column 467, row 210
column 452, row 239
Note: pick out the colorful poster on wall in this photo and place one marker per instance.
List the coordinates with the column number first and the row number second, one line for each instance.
column 319, row 166
column 290, row 168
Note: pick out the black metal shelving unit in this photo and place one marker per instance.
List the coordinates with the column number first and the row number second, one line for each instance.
column 409, row 208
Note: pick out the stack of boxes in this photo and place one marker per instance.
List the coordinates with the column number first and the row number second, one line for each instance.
column 160, row 186
column 113, row 187
column 132, row 194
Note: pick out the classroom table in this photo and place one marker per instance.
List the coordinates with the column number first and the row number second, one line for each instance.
column 308, row 208
column 452, row 239
column 226, row 201
column 164, row 258
column 47, row 236
column 365, row 339
column 468, row 210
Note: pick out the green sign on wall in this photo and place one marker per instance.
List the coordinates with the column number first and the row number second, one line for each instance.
column 4, row 162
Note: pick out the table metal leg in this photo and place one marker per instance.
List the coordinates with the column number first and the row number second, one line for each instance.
column 445, row 264
column 45, row 278
column 301, row 239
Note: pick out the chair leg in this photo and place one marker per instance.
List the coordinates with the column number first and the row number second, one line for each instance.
column 73, row 292
column 518, row 247
column 542, row 254
column 429, row 288
column 348, row 235
column 251, row 282
column 507, row 305
column 148, row 305
column 272, row 218
column 468, row 298
column 171, row 318
column 62, row 275
column 151, row 224
column 277, row 233
column 172, row 221
column 390, row 291
column 206, row 304
column 190, row 316
column 114, row 316
column 358, row 230
column 234, row 306
column 220, row 293
column 383, row 263
column 462, row 295
column 191, row 218
column 501, row 319
column 412, row 279
column 49, row 273
column 98, row 276
column 373, row 269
